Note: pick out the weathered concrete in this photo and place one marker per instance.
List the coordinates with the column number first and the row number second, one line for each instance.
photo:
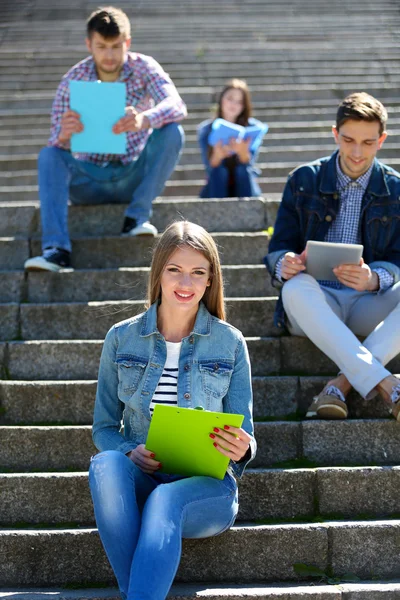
column 17, row 219
column 28, row 402
column 131, row 284
column 352, row 442
column 364, row 491
column 115, row 252
column 13, row 252
column 277, row 443
column 9, row 317
column 45, row 448
column 92, row 320
column 379, row 542
column 83, row 559
column 11, row 286
column 274, row 396
column 54, row 360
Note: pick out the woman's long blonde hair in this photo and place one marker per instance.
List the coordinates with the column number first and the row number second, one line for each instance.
column 178, row 235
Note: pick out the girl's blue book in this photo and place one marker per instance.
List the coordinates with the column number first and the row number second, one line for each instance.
column 224, row 131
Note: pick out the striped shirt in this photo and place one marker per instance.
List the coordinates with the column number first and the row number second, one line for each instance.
column 167, row 388
column 149, row 89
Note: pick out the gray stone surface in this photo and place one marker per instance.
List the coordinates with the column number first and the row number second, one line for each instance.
column 45, row 449
column 382, row 590
column 264, row 355
column 45, row 498
column 274, row 396
column 17, row 219
column 9, row 314
column 3, row 348
column 92, row 320
column 277, row 443
column 351, row 442
column 301, row 357
column 130, row 284
column 276, row 494
column 11, row 286
column 28, row 402
column 368, row 550
column 54, row 360
column 214, row 215
column 114, row 252
column 58, row 557
column 209, row 591
column 354, row 492
column 13, row 252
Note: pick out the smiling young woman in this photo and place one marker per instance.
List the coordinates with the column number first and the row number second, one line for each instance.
column 164, row 356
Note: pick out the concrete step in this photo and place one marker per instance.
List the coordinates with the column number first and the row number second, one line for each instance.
column 31, row 557
column 218, row 215
column 127, row 284
column 41, row 359
column 280, row 443
column 383, row 590
column 277, row 494
column 72, row 402
column 92, row 320
column 204, row 95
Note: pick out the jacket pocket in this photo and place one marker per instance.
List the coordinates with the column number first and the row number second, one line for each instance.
column 216, row 376
column 130, row 373
column 381, row 230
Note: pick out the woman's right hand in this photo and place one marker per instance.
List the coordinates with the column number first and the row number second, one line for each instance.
column 218, row 154
column 144, row 459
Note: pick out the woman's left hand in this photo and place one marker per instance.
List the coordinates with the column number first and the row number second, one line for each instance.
column 231, row 441
column 241, row 148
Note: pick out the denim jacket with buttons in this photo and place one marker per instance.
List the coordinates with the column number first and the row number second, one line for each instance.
column 310, row 204
column 214, row 373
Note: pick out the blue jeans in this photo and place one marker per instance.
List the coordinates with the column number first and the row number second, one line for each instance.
column 63, row 177
column 142, row 518
column 245, row 183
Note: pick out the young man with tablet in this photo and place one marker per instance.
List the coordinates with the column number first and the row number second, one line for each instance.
column 154, row 141
column 347, row 198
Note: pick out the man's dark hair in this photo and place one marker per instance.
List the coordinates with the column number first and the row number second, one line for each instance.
column 109, row 22
column 362, row 107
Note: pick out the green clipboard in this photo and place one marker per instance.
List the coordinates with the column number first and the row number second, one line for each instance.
column 180, row 439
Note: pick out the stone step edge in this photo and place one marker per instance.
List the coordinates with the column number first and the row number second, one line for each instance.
column 362, row 590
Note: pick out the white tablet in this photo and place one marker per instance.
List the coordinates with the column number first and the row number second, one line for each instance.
column 322, row 257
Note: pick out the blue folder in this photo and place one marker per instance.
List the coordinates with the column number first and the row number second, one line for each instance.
column 100, row 105
column 224, row 131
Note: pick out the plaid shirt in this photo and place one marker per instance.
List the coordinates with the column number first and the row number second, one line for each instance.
column 148, row 88
column 345, row 229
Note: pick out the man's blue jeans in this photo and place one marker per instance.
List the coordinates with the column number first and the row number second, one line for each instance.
column 62, row 177
column 142, row 518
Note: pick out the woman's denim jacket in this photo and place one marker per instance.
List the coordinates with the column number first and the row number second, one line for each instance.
column 214, row 373
column 310, row 204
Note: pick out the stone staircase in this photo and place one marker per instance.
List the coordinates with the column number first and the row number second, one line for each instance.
column 320, row 494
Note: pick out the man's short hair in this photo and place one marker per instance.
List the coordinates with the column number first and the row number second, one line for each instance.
column 362, row 107
column 109, row 22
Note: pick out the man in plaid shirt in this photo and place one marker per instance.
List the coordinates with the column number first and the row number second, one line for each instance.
column 154, row 141
column 350, row 197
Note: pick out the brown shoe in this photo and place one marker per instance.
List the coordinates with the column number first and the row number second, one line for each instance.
column 396, row 410
column 327, row 406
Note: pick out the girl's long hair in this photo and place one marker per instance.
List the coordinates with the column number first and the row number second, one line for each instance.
column 178, row 235
column 237, row 84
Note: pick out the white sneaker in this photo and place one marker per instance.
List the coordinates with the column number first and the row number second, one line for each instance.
column 142, row 229
column 53, row 259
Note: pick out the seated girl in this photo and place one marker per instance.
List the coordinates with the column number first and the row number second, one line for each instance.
column 181, row 352
column 230, row 168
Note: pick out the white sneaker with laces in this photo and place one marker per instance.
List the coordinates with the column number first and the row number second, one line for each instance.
column 145, row 228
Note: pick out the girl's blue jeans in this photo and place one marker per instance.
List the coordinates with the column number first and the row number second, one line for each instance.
column 142, row 519
column 62, row 177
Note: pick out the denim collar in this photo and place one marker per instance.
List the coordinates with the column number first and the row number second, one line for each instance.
column 377, row 184
column 202, row 325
